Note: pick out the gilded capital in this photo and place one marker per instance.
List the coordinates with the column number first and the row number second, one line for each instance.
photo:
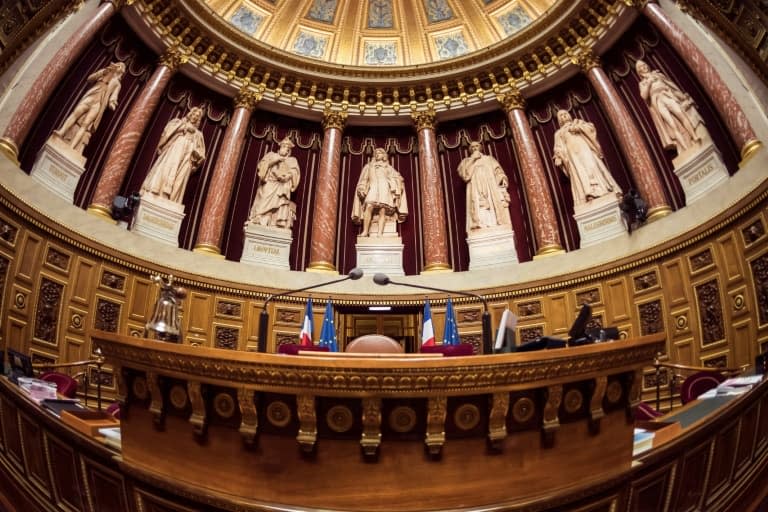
column 172, row 58
column 334, row 119
column 118, row 3
column 587, row 60
column 424, row 119
column 511, row 100
column 247, row 99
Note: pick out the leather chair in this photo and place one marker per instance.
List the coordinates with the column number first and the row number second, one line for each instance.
column 698, row 383
column 66, row 386
column 375, row 344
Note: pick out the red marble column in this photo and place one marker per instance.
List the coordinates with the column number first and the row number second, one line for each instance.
column 30, row 107
column 432, row 201
column 121, row 154
column 631, row 141
column 220, row 192
column 534, row 178
column 729, row 109
column 321, row 253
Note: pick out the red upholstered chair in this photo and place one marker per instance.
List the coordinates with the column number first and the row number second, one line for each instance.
column 462, row 349
column 645, row 412
column 65, row 385
column 114, row 410
column 293, row 348
column 698, row 383
column 375, row 344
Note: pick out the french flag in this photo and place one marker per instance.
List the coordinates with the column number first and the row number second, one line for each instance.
column 306, row 327
column 427, row 329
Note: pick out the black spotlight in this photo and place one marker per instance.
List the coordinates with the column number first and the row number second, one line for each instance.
column 123, row 207
column 634, row 209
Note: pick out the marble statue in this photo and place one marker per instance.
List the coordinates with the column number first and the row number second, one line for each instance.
column 487, row 195
column 77, row 128
column 278, row 176
column 380, row 190
column 180, row 151
column 673, row 111
column 578, row 152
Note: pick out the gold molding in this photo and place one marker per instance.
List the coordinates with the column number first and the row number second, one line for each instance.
column 10, row 150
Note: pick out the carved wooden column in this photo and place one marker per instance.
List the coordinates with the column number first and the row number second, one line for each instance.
column 738, row 125
column 220, row 192
column 432, row 201
column 534, row 177
column 321, row 253
column 121, row 154
column 30, row 107
column 631, row 142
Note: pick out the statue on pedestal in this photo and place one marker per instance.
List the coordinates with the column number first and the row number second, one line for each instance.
column 180, row 151
column 77, row 128
column 381, row 191
column 579, row 154
column 673, row 111
column 487, row 195
column 279, row 176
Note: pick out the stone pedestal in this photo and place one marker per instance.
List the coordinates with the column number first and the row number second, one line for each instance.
column 489, row 247
column 700, row 170
column 380, row 254
column 58, row 168
column 159, row 218
column 599, row 220
column 267, row 246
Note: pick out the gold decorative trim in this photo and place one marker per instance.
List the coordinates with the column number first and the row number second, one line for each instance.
column 333, row 119
column 573, row 401
column 278, row 413
column 466, row 417
column 549, row 250
column 497, row 420
column 587, row 60
column 10, row 150
column 437, row 407
column 249, row 423
column 613, row 392
column 101, row 212
column 523, row 410
column 208, row 249
column 511, row 100
column 371, row 438
column 402, row 419
column 437, row 268
column 658, row 213
column 750, row 148
column 305, row 410
column 178, row 397
column 224, row 405
column 321, row 266
column 173, row 58
column 424, row 120
column 339, row 418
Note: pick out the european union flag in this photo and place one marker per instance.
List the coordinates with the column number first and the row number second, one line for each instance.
column 451, row 333
column 328, row 332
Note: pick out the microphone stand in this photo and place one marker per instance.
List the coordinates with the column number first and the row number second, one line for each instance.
column 383, row 279
column 261, row 346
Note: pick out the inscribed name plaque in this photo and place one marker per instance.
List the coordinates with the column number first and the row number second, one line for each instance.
column 267, row 246
column 58, row 168
column 489, row 247
column 599, row 219
column 159, row 218
column 700, row 172
column 380, row 254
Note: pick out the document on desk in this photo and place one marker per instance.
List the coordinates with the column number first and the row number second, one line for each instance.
column 733, row 386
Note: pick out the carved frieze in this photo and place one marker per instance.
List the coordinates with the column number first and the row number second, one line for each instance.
column 57, row 259
column 529, row 308
column 591, row 296
column 753, row 232
column 701, row 260
column 228, row 308
column 646, row 281
column 8, row 232
column 113, row 280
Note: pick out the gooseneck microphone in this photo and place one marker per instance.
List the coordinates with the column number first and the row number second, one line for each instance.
column 383, row 279
column 354, row 275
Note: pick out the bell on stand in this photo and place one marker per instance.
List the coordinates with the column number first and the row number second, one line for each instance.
column 165, row 324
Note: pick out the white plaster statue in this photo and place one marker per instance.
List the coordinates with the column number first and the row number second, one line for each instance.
column 379, row 190
column 487, row 195
column 579, row 154
column 278, row 176
column 673, row 111
column 77, row 128
column 180, row 151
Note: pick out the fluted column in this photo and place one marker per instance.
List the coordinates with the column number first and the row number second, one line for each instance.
column 122, row 152
column 738, row 125
column 432, row 202
column 324, row 219
column 220, row 192
column 32, row 105
column 631, row 142
column 534, row 178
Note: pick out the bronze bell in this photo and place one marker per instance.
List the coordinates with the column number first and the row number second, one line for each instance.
column 165, row 324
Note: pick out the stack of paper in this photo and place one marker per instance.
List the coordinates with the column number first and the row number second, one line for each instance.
column 643, row 441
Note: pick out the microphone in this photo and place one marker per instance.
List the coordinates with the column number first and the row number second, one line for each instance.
column 354, row 275
column 383, row 279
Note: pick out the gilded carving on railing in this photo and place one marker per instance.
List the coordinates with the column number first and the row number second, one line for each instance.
column 249, row 422
column 596, row 403
column 198, row 418
column 156, row 405
column 497, row 420
column 437, row 407
column 305, row 410
column 551, row 421
column 371, row 438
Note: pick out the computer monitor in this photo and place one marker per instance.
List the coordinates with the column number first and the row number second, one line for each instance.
column 20, row 364
column 505, row 336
